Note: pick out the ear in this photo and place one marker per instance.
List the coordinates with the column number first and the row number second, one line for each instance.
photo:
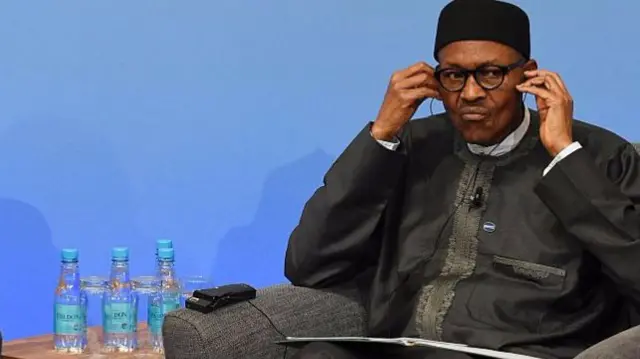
column 528, row 66
column 532, row 64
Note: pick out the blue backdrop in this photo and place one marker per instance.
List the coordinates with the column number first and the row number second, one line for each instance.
column 211, row 122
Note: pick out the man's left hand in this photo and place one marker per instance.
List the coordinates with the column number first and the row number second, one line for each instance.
column 555, row 106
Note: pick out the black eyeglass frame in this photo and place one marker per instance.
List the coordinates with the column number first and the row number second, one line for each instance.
column 465, row 72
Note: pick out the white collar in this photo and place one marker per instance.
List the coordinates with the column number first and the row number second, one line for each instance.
column 509, row 143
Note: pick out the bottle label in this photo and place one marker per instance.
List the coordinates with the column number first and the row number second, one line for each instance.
column 70, row 319
column 120, row 318
column 157, row 312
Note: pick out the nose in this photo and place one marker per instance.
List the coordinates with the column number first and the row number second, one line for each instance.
column 472, row 92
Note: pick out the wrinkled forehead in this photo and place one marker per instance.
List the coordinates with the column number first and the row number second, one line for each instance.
column 475, row 53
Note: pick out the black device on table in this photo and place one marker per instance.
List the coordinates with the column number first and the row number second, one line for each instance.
column 207, row 300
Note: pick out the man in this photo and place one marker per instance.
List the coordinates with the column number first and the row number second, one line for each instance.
column 491, row 225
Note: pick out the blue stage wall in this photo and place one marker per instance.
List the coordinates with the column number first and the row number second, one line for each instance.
column 211, row 122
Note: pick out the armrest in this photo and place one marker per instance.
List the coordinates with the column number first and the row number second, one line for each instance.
column 242, row 331
column 623, row 345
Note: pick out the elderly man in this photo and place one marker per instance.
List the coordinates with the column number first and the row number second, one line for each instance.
column 491, row 225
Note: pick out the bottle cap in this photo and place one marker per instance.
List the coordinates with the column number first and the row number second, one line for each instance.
column 120, row 253
column 164, row 243
column 69, row 254
column 165, row 253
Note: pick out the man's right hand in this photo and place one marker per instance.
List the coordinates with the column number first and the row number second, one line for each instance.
column 407, row 89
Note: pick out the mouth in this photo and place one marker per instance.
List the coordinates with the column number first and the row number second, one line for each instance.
column 474, row 113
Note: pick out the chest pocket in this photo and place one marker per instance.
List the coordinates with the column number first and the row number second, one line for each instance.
column 513, row 294
column 540, row 274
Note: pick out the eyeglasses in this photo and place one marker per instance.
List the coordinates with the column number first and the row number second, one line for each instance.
column 489, row 77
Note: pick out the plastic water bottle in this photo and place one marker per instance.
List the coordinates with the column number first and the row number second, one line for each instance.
column 166, row 299
column 70, row 308
column 120, row 306
column 160, row 243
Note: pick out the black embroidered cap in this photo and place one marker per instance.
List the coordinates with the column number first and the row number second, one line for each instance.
column 491, row 20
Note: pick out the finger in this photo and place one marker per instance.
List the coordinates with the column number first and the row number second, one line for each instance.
column 418, row 80
column 557, row 80
column 536, row 81
column 417, row 68
column 553, row 85
column 419, row 93
column 547, row 82
column 541, row 92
